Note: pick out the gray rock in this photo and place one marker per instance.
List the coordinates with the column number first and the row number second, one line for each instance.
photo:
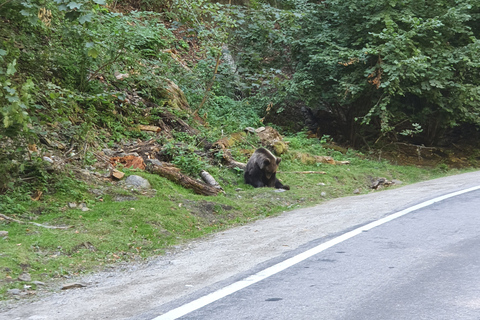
column 14, row 292
column 323, row 194
column 38, row 283
column 137, row 182
column 97, row 192
column 72, row 205
column 154, row 162
column 25, row 277
column 3, row 233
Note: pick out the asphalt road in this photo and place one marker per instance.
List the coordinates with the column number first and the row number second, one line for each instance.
column 424, row 265
column 149, row 289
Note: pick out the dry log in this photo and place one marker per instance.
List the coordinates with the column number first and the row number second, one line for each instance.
column 230, row 163
column 169, row 171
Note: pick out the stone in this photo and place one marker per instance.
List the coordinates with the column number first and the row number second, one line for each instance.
column 118, row 174
column 3, row 233
column 323, row 194
column 155, row 162
column 72, row 205
column 73, row 285
column 137, row 182
column 356, row 191
column 14, row 292
column 97, row 192
column 25, row 277
column 38, row 283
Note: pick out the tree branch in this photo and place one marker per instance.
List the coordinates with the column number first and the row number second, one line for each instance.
column 34, row 223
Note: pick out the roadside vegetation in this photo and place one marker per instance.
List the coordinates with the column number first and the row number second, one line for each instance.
column 390, row 88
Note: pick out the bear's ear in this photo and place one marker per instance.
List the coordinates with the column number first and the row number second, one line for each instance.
column 279, row 160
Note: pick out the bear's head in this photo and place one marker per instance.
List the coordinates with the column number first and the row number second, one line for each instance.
column 270, row 166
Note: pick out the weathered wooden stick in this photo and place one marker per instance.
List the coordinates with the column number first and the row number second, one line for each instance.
column 34, row 223
column 10, row 219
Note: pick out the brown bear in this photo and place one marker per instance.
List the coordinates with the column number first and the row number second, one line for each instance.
column 261, row 169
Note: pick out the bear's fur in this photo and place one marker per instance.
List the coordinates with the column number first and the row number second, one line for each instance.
column 261, row 170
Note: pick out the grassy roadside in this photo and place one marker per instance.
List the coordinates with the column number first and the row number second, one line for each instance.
column 112, row 231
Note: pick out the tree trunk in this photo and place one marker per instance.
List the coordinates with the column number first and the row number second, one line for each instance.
column 169, row 171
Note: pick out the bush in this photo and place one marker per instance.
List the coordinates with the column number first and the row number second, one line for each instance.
column 389, row 64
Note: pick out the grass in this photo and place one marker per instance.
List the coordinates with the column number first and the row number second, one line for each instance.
column 111, row 231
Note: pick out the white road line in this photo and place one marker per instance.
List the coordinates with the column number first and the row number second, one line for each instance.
column 236, row 286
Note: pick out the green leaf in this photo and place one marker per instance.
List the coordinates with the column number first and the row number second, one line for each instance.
column 100, row 2
column 74, row 5
column 85, row 18
column 25, row 13
column 92, row 52
column 11, row 68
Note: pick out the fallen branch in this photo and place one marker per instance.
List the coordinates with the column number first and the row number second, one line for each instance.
column 229, row 162
column 173, row 54
column 34, row 223
column 173, row 174
column 50, row 227
column 10, row 219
